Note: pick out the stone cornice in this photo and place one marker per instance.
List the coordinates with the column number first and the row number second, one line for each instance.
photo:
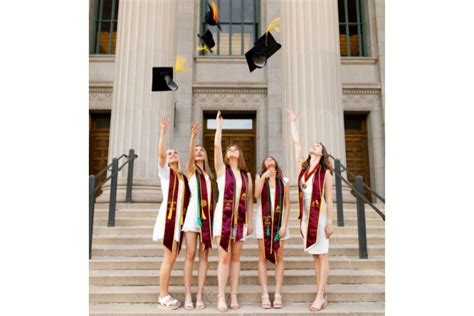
column 205, row 90
column 105, row 90
column 360, row 91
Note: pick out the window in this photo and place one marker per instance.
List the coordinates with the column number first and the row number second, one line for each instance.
column 104, row 27
column 239, row 20
column 232, row 124
column 352, row 33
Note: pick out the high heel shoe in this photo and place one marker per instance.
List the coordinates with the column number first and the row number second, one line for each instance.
column 221, row 309
column 315, row 307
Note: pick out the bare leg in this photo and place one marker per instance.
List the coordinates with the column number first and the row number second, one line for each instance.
column 203, row 258
column 279, row 268
column 262, row 267
column 222, row 276
column 324, row 274
column 166, row 266
column 235, row 273
column 188, row 267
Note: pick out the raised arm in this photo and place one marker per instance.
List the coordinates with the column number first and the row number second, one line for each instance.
column 190, row 167
column 249, row 205
column 296, row 139
column 162, row 143
column 328, row 194
column 218, row 159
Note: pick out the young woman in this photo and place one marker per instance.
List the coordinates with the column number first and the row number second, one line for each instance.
column 315, row 208
column 176, row 194
column 271, row 227
column 198, row 221
column 233, row 214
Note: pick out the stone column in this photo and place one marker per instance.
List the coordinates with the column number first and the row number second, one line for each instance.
column 146, row 38
column 311, row 77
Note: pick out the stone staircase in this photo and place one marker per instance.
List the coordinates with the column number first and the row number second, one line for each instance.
column 124, row 270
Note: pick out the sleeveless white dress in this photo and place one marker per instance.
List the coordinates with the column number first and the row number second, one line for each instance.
column 258, row 230
column 322, row 244
column 191, row 220
column 159, row 229
column 217, row 224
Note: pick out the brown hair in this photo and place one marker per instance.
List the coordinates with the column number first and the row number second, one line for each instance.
column 279, row 173
column 324, row 162
column 179, row 159
column 206, row 164
column 241, row 162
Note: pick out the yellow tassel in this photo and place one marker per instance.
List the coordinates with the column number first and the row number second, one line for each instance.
column 180, row 65
column 273, row 26
column 203, row 48
column 171, row 211
column 203, row 216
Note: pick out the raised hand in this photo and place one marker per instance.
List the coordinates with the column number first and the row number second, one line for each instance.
column 164, row 123
column 292, row 115
column 219, row 119
column 271, row 172
column 195, row 128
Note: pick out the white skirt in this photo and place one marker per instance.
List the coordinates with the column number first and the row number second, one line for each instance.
column 258, row 227
column 322, row 244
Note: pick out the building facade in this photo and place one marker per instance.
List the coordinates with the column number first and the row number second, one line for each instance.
column 330, row 70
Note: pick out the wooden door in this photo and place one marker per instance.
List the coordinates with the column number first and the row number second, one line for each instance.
column 241, row 132
column 357, row 146
column 98, row 143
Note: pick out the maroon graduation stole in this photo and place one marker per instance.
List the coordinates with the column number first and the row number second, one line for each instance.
column 171, row 208
column 271, row 226
column 315, row 206
column 205, row 209
column 233, row 224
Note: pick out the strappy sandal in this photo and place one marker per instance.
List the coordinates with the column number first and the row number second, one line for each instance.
column 266, row 301
column 168, row 302
column 314, row 308
column 325, row 300
column 200, row 305
column 188, row 305
column 234, row 306
column 277, row 301
column 221, row 309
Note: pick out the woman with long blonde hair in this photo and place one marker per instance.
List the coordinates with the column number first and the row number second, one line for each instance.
column 198, row 221
column 232, row 216
column 315, row 208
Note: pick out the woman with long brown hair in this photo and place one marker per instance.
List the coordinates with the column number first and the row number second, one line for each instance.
column 198, row 221
column 271, row 225
column 170, row 219
column 315, row 208
column 232, row 216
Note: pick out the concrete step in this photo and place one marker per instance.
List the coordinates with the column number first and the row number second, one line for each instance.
column 144, row 221
column 247, row 277
column 248, row 250
column 333, row 309
column 248, row 293
column 294, row 229
column 246, row 263
column 295, row 239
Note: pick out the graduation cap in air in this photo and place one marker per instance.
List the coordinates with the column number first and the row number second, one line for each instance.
column 264, row 47
column 212, row 16
column 208, row 40
column 162, row 79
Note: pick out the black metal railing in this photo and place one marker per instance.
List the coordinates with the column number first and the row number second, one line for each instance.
column 114, row 169
column 359, row 192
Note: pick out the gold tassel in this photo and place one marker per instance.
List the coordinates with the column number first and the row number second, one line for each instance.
column 180, row 65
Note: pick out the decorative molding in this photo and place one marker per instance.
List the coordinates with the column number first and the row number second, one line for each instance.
column 100, row 98
column 360, row 91
column 233, row 91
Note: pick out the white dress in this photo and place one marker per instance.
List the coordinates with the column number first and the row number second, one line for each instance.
column 258, row 231
column 159, row 229
column 322, row 244
column 191, row 220
column 217, row 224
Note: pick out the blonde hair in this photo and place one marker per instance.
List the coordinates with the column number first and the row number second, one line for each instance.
column 207, row 169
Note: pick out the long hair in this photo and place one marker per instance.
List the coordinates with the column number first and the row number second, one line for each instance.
column 179, row 159
column 279, row 173
column 324, row 162
column 206, row 164
column 241, row 161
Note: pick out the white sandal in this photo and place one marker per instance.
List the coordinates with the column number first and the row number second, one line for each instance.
column 168, row 302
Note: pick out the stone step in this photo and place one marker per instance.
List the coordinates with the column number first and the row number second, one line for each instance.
column 246, row 263
column 140, row 221
column 247, row 277
column 333, row 309
column 294, row 229
column 248, row 250
column 295, row 239
column 248, row 293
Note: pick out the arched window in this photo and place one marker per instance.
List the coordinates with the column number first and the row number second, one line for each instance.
column 352, row 28
column 240, row 22
column 104, row 27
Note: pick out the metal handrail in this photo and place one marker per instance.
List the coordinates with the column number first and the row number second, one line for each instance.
column 115, row 169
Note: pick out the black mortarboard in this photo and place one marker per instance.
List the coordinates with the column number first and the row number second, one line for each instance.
column 163, row 79
column 209, row 18
column 264, row 47
column 208, row 40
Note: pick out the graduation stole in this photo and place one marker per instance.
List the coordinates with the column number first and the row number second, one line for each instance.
column 315, row 206
column 271, row 226
column 233, row 224
column 171, row 208
column 205, row 209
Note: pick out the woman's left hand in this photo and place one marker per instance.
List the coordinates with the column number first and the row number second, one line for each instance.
column 282, row 232
column 329, row 230
column 249, row 229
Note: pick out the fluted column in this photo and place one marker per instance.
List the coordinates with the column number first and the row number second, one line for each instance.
column 146, row 38
column 311, row 77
